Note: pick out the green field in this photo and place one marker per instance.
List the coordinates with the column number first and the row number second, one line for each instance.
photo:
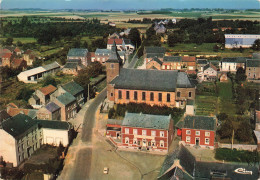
column 23, row 40
column 90, row 39
column 206, row 105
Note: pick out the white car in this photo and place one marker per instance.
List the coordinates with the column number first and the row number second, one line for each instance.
column 105, row 171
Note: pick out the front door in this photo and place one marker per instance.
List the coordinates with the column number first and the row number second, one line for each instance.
column 144, row 142
column 197, row 141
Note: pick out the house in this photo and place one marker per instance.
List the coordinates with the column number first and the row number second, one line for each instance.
column 172, row 63
column 42, row 96
column 13, row 110
column 223, row 77
column 232, row 64
column 5, row 56
column 240, row 40
column 253, row 69
column 125, row 32
column 153, row 87
column 159, row 28
column 113, row 128
column 201, row 63
column 68, row 105
column 209, row 73
column 199, row 131
column 115, row 35
column 21, row 136
column 91, row 57
column 147, row 132
column 151, row 52
column 112, row 24
column 122, row 44
column 77, row 53
column 155, row 63
column 17, row 51
column 18, row 63
column 72, row 66
column 49, row 112
column 36, row 74
column 3, row 116
column 102, row 55
column 189, row 62
column 29, row 56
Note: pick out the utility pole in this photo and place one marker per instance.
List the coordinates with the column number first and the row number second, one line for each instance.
column 88, row 91
column 232, row 139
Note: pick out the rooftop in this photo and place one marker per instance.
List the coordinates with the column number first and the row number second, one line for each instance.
column 202, row 61
column 188, row 58
column 235, row 60
column 52, row 107
column 51, row 66
column 73, row 88
column 172, row 59
column 103, row 51
column 52, row 124
column 154, row 49
column 210, row 66
column 118, row 41
column 48, row 89
column 148, row 79
column 199, row 122
column 253, row 63
column 146, row 121
column 157, row 60
column 77, row 52
column 66, row 98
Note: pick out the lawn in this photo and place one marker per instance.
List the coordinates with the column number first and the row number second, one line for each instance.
column 24, row 40
column 90, row 39
column 206, row 105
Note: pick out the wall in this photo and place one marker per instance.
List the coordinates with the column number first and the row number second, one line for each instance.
column 152, row 64
column 55, row 136
column 238, row 146
column 8, row 147
column 253, row 72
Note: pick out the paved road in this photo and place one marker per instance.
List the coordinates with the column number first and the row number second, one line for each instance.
column 131, row 65
column 82, row 165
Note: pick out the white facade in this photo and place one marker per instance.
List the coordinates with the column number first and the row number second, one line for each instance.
column 240, row 40
column 8, row 147
column 55, row 136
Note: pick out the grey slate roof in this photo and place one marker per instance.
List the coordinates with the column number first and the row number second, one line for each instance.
column 66, row 98
column 32, row 113
column 53, row 65
column 52, row 107
column 157, row 60
column 202, row 61
column 53, row 124
column 73, row 88
column 18, row 124
column 146, row 121
column 106, row 52
column 4, row 115
column 154, row 49
column 235, row 60
column 200, row 122
column 114, row 121
column 156, row 80
column 253, row 63
column 114, row 56
column 77, row 52
column 172, row 59
column 35, row 97
column 152, row 55
column 74, row 61
column 71, row 65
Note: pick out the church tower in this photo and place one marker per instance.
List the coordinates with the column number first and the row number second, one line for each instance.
column 113, row 64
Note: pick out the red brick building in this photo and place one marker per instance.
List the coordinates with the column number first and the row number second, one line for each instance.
column 145, row 132
column 199, row 131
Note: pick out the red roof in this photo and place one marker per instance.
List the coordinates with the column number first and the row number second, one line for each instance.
column 48, row 89
column 17, row 62
column 7, row 55
column 15, row 111
column 191, row 72
column 118, row 41
column 188, row 59
column 17, row 49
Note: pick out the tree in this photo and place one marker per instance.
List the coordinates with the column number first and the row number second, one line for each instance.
column 24, row 94
column 172, row 40
column 9, row 41
column 256, row 45
column 226, row 129
column 244, row 132
column 49, row 80
column 215, row 48
column 150, row 32
column 85, row 44
column 134, row 36
column 98, row 43
column 240, row 75
column 37, row 62
column 19, row 44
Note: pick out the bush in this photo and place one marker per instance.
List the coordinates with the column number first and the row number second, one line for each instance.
column 24, row 94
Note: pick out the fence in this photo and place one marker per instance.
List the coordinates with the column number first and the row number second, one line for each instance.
column 238, row 146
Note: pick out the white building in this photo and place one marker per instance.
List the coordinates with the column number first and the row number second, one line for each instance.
column 240, row 40
column 35, row 74
column 232, row 64
column 21, row 136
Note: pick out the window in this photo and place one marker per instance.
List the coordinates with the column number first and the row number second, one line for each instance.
column 144, row 132
column 126, row 131
column 127, row 95
column 119, row 94
column 207, row 134
column 135, row 141
column 190, row 94
column 160, row 97
column 112, row 94
column 149, row 143
column 112, row 66
column 168, row 97
column 197, row 133
column 163, row 66
column 135, row 131
column 151, row 96
column 153, row 142
column 127, row 140
column 161, row 143
column 20, row 158
column 18, row 149
column 178, row 94
column 153, row 133
column 187, row 138
column 135, row 95
column 206, row 140
column 143, row 96
column 182, row 103
column 187, row 131
column 161, row 133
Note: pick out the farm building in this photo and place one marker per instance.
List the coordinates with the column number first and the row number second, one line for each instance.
column 240, row 40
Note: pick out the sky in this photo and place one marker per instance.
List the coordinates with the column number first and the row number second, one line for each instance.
column 129, row 4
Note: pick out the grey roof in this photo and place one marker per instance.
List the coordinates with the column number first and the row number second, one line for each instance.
column 235, row 60
column 114, row 121
column 66, row 98
column 18, row 124
column 52, row 107
column 121, row 53
column 157, row 60
column 152, row 55
column 127, row 41
column 172, row 58
column 114, row 56
column 51, row 124
column 200, row 122
column 4, row 115
column 253, row 63
column 106, row 52
column 156, row 80
column 73, row 88
column 32, row 113
column 147, row 121
column 155, row 49
column 71, row 65
column 202, row 61
column 77, row 52
column 35, row 97
column 53, row 65
column 74, row 61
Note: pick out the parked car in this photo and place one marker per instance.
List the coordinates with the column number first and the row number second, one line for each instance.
column 105, row 171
